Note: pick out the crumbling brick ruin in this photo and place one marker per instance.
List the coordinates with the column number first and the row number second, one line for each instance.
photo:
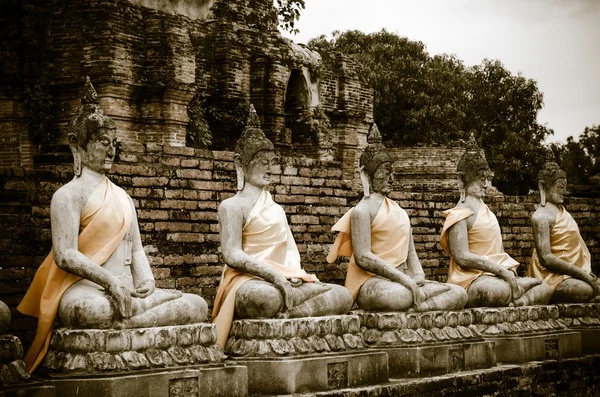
column 162, row 75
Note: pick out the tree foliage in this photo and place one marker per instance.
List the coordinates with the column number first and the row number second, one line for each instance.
column 580, row 158
column 423, row 99
column 288, row 12
column 503, row 108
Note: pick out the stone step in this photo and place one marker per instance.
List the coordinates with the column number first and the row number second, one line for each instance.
column 218, row 380
column 571, row 377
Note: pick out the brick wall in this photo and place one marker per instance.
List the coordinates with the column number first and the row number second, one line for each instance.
column 177, row 190
column 148, row 64
column 427, row 168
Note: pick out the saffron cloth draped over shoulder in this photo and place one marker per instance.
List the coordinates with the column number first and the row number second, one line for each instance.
column 266, row 236
column 390, row 231
column 104, row 221
column 568, row 245
column 485, row 239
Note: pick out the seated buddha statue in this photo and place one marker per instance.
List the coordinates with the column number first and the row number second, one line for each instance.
column 472, row 236
column 263, row 277
column 560, row 257
column 97, row 275
column 384, row 273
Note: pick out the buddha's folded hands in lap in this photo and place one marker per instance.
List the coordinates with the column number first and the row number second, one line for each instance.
column 263, row 277
column 472, row 236
column 560, row 257
column 384, row 273
column 97, row 274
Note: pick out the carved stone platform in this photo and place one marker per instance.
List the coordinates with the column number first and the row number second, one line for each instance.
column 304, row 355
column 14, row 378
column 168, row 361
column 90, row 351
column 427, row 344
column 584, row 318
column 12, row 367
column 528, row 333
column 434, row 343
column 296, row 336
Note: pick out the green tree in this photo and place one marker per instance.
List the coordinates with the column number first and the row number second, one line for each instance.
column 436, row 100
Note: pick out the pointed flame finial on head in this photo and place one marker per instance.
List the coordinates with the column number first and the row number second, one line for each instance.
column 252, row 139
column 375, row 153
column 90, row 96
column 471, row 161
column 88, row 119
column 549, row 156
column 472, row 144
column 374, row 137
column 253, row 121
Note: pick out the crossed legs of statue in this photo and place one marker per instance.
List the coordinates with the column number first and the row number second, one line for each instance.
column 86, row 305
column 381, row 294
column 260, row 299
column 573, row 290
column 490, row 291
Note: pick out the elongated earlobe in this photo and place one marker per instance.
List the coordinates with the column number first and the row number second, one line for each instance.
column 542, row 194
column 75, row 149
column 239, row 171
column 461, row 189
column 76, row 163
column 365, row 181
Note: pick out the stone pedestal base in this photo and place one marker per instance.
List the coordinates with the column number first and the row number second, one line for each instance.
column 12, row 367
column 273, row 376
column 550, row 346
column 303, row 355
column 584, row 318
column 294, row 337
column 14, row 378
column 199, row 381
column 427, row 344
column 432, row 360
column 106, row 351
column 528, row 333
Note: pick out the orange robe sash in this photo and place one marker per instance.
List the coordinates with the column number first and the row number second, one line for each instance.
column 485, row 239
column 568, row 245
column 390, row 232
column 266, row 237
column 105, row 219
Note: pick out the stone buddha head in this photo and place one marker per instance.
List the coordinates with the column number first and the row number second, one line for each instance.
column 552, row 182
column 254, row 154
column 474, row 174
column 92, row 135
column 376, row 165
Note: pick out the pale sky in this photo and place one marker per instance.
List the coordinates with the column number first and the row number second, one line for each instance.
column 556, row 42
